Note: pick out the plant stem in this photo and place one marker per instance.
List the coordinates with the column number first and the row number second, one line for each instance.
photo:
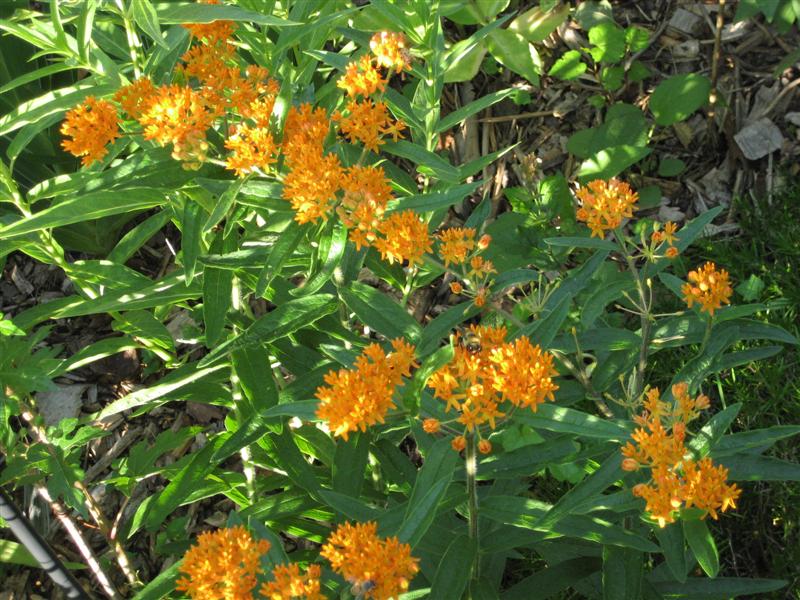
column 707, row 334
column 236, row 392
column 638, row 382
column 471, row 468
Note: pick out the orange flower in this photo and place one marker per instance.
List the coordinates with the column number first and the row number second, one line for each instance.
column 706, row 487
column 669, row 232
column 91, row 125
column 480, row 297
column 356, row 398
column 672, row 252
column 361, row 78
column 390, row 50
column 212, row 32
column 484, row 446
column 366, row 193
column 458, row 443
column 251, row 148
column 456, row 287
column 674, row 480
column 431, row 425
column 305, row 127
column 177, row 115
column 484, row 242
column 222, row 566
column 379, row 568
column 287, row 583
column 480, row 377
column 311, row 187
column 456, row 244
column 367, row 122
column 707, row 287
column 405, row 237
column 605, row 204
column 133, row 98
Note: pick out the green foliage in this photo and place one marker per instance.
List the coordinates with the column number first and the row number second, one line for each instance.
column 255, row 309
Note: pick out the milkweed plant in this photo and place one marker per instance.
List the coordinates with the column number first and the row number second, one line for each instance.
column 414, row 397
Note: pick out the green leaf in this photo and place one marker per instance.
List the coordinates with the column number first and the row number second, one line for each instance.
column 458, row 116
column 428, row 162
column 609, row 472
column 171, row 13
column 568, row 420
column 721, row 588
column 450, row 582
column 673, row 547
column 381, row 313
column 138, row 236
column 527, row 513
column 516, row 53
column 85, row 207
column 331, row 250
column 751, row 289
column 713, row 430
column 670, row 167
column 350, row 463
column 175, row 380
column 252, row 366
column 217, row 287
column 435, row 200
column 636, row 39
column 464, row 61
column 701, row 544
column 162, row 585
column 146, row 17
column 582, row 242
column 191, row 237
column 440, row 326
column 281, row 252
column 142, row 324
column 287, row 318
column 432, row 482
column 622, row 573
column 536, row 24
column 554, row 579
column 678, row 97
column 748, row 467
column 184, row 482
column 610, row 162
column 293, row 462
column 744, row 441
column 608, row 43
column 569, row 66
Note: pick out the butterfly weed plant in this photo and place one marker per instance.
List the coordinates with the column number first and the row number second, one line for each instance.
column 367, row 450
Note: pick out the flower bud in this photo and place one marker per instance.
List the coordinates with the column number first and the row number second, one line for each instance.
column 459, row 443
column 431, row 425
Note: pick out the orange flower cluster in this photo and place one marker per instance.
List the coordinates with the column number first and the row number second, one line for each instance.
column 708, row 287
column 251, row 148
column 362, row 77
column 215, row 31
column 287, row 583
column 377, row 568
column 314, row 177
column 390, row 50
column 457, row 246
column 675, row 481
column 366, row 194
column 356, row 398
column 405, row 237
column 367, row 122
column 91, row 125
column 486, row 371
column 222, row 566
column 605, row 204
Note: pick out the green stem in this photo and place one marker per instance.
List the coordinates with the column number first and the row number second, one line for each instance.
column 236, row 392
column 707, row 334
column 471, row 468
column 644, row 315
column 133, row 40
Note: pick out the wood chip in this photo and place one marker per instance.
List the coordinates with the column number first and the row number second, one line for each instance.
column 685, row 23
column 759, row 139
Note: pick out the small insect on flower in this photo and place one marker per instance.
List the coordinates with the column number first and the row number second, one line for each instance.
column 361, row 588
column 470, row 341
